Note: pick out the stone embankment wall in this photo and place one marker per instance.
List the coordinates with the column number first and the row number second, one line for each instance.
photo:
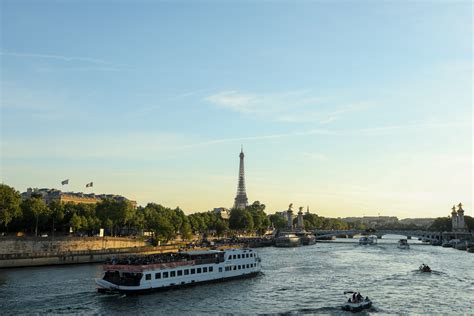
column 21, row 245
column 74, row 257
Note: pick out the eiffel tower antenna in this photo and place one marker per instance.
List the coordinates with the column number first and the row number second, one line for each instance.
column 241, row 200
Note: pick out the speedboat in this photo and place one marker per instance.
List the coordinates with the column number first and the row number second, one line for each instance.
column 424, row 268
column 371, row 240
column 403, row 244
column 363, row 240
column 356, row 303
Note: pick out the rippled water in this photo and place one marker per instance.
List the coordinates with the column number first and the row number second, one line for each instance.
column 305, row 280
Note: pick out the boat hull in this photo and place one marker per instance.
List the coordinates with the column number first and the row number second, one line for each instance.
column 356, row 307
column 118, row 290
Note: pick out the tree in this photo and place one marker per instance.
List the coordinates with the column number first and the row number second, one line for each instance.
column 9, row 205
column 158, row 219
column 260, row 219
column 278, row 221
column 34, row 208
column 57, row 212
column 221, row 227
column 77, row 222
column 241, row 220
column 441, row 224
column 119, row 213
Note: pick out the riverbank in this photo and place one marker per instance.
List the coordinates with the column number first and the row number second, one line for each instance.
column 31, row 252
column 76, row 257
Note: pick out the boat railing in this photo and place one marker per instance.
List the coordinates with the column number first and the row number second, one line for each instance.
column 144, row 267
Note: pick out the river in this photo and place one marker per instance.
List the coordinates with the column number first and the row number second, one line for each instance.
column 304, row 280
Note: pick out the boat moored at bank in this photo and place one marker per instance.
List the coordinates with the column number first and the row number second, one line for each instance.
column 287, row 239
column 131, row 275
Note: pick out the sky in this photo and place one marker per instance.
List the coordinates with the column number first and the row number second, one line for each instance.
column 352, row 108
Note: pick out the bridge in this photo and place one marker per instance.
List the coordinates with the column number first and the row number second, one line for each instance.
column 423, row 234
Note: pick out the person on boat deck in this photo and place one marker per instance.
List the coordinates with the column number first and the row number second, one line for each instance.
column 359, row 297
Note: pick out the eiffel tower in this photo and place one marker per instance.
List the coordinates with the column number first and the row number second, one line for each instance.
column 241, row 200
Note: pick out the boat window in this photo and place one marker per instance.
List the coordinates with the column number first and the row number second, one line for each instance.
column 193, row 271
column 204, row 269
column 230, row 257
column 238, row 256
column 248, row 266
column 198, row 270
column 165, row 274
column 251, row 255
column 173, row 274
column 211, row 269
column 180, row 272
column 220, row 270
column 148, row 276
column 158, row 275
column 234, row 268
column 239, row 267
column 247, row 255
column 234, row 257
column 186, row 272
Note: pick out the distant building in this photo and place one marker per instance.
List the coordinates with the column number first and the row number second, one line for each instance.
column 372, row 221
column 223, row 212
column 49, row 195
column 420, row 222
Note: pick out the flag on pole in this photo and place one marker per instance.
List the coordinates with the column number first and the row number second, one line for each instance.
column 90, row 184
column 65, row 182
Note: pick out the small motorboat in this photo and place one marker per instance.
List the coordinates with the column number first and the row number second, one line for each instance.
column 424, row 268
column 371, row 240
column 356, row 302
column 403, row 244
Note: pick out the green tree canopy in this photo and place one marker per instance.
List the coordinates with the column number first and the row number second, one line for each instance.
column 9, row 204
column 278, row 221
column 241, row 220
column 34, row 210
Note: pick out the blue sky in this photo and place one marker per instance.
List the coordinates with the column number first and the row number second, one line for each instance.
column 353, row 108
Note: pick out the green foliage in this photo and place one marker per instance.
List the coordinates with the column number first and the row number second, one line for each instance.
column 9, row 204
column 241, row 220
column 34, row 210
column 441, row 224
column 159, row 219
column 260, row 220
column 469, row 222
column 115, row 213
column 277, row 221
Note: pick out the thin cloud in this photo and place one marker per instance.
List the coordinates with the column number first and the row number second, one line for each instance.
column 58, row 57
column 291, row 106
column 74, row 63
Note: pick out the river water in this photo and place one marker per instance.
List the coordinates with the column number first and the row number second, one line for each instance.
column 304, row 280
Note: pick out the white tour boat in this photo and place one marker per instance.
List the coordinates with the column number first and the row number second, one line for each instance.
column 137, row 274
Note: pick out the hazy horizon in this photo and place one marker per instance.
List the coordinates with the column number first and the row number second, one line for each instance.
column 350, row 108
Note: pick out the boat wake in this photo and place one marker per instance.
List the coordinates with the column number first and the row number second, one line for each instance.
column 432, row 272
column 332, row 310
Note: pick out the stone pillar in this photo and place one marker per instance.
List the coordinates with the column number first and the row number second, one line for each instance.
column 454, row 219
column 289, row 213
column 300, row 219
column 461, row 223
